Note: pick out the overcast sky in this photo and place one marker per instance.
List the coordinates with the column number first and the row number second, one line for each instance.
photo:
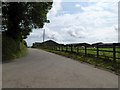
column 73, row 22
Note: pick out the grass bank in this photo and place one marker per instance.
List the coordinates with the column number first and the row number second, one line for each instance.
column 12, row 49
column 99, row 63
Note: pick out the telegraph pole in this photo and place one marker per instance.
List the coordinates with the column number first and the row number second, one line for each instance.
column 43, row 35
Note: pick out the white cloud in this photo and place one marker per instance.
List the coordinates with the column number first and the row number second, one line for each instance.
column 55, row 8
column 77, row 5
column 90, row 0
column 98, row 22
column 103, row 0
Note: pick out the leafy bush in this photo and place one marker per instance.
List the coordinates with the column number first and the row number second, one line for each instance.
column 12, row 48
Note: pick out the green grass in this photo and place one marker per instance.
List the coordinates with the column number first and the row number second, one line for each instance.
column 12, row 49
column 100, row 63
column 93, row 51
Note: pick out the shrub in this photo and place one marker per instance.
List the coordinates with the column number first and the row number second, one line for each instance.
column 12, row 48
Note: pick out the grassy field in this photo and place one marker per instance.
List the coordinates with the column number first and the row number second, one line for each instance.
column 93, row 52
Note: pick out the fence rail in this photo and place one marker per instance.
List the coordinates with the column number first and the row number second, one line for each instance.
column 111, row 51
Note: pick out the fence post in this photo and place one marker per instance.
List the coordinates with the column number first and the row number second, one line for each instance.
column 114, row 57
column 97, row 51
column 85, row 50
column 62, row 47
column 114, row 53
column 71, row 48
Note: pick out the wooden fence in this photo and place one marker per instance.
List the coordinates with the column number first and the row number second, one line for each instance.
column 112, row 50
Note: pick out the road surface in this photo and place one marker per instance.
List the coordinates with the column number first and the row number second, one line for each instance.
column 41, row 69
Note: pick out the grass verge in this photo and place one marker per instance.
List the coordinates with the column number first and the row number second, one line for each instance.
column 99, row 63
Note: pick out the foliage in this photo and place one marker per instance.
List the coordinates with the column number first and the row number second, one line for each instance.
column 12, row 49
column 18, row 18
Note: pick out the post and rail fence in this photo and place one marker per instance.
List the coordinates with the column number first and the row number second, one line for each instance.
column 111, row 50
column 108, row 52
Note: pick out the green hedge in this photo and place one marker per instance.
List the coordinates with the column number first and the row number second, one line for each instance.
column 12, row 48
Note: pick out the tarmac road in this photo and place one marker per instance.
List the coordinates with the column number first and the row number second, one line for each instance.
column 41, row 69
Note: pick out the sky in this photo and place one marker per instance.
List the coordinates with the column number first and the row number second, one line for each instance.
column 80, row 22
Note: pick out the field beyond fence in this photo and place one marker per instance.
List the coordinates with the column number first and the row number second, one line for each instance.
column 104, row 51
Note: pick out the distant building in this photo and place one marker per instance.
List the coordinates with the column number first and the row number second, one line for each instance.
column 95, row 44
column 45, row 44
column 36, row 44
column 79, row 44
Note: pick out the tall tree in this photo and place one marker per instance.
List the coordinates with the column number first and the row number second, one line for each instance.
column 18, row 18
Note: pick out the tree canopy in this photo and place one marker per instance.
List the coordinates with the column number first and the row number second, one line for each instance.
column 19, row 18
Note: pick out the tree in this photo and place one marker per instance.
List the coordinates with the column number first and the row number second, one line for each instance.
column 18, row 18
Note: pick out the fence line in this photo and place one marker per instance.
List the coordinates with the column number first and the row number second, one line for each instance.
column 77, row 48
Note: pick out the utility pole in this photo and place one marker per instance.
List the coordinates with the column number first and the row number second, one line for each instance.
column 43, row 35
